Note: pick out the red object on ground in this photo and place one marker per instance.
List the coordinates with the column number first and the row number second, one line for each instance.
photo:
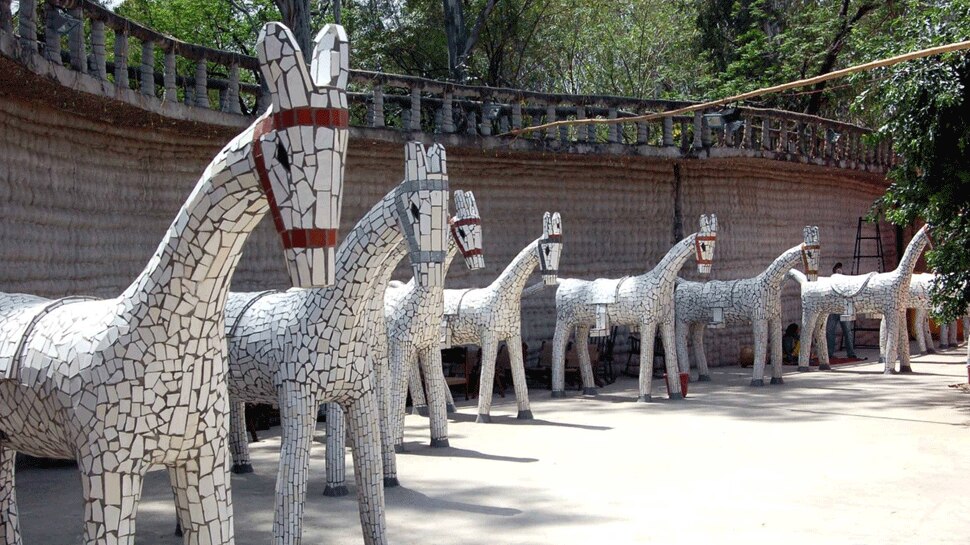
column 685, row 379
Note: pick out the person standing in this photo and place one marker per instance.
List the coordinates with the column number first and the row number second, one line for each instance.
column 833, row 323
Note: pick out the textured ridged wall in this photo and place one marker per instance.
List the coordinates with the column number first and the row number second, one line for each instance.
column 84, row 203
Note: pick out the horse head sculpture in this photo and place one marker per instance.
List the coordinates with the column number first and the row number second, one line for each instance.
column 704, row 243
column 811, row 253
column 421, row 207
column 299, row 146
column 549, row 247
column 466, row 229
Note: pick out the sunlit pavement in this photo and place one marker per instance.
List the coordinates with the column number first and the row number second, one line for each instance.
column 847, row 456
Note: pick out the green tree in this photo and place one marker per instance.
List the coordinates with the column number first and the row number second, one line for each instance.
column 926, row 105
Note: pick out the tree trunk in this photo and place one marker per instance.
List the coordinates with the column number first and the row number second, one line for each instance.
column 296, row 16
column 457, row 38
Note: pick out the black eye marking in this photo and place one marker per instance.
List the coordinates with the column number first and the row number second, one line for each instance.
column 461, row 232
column 415, row 212
column 548, row 251
column 282, row 156
column 703, row 247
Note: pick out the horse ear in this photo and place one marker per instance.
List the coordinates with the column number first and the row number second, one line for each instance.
column 415, row 161
column 556, row 223
column 330, row 65
column 546, row 224
column 472, row 205
column 282, row 66
column 437, row 163
column 461, row 205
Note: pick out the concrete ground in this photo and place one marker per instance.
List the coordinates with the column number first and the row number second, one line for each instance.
column 849, row 456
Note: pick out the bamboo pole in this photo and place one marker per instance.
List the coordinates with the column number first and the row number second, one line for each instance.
column 882, row 63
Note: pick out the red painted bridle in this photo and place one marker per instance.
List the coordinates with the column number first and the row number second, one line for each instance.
column 698, row 241
column 465, row 252
column 337, row 118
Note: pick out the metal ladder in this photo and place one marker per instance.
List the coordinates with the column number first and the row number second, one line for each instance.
column 857, row 257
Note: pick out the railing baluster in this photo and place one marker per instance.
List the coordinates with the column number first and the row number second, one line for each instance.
column 52, row 38
column 551, row 132
column 472, row 127
column 415, row 119
column 748, row 133
column 121, row 60
column 100, row 68
column 171, row 76
column 148, row 68
column 75, row 41
column 378, row 101
column 581, row 133
column 643, row 133
column 516, row 115
column 668, row 137
column 486, row 118
column 612, row 132
column 698, row 130
column 765, row 134
column 231, row 104
column 28, row 25
column 201, row 84
column 447, row 114
column 783, row 136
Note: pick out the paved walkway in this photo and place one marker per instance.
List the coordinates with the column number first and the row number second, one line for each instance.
column 843, row 457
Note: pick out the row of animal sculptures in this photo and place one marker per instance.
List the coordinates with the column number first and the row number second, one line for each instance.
column 158, row 376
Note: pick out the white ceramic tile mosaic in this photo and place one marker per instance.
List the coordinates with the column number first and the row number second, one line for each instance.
column 645, row 302
column 755, row 301
column 139, row 380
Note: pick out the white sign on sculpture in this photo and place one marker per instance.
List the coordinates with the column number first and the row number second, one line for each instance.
column 756, row 301
column 645, row 301
column 886, row 294
column 127, row 383
column 301, row 348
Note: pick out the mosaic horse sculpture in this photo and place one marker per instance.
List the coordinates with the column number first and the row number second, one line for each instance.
column 645, row 301
column 755, row 301
column 466, row 238
column 414, row 316
column 123, row 384
column 879, row 293
column 300, row 348
column 487, row 316
column 919, row 299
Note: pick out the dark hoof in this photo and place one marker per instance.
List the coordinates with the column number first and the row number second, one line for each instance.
column 757, row 382
column 240, row 469
column 178, row 529
column 777, row 380
column 645, row 399
column 440, row 443
column 824, row 367
column 422, row 410
column 398, row 449
column 483, row 419
column 335, row 491
column 558, row 394
column 802, row 369
column 905, row 369
column 451, row 408
column 675, row 397
column 703, row 378
column 889, row 372
column 589, row 391
column 930, row 351
column 391, row 482
column 525, row 415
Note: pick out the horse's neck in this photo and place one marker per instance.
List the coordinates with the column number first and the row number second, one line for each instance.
column 513, row 278
column 912, row 253
column 774, row 275
column 365, row 259
column 196, row 258
column 670, row 265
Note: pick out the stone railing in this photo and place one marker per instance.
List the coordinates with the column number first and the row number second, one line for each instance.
column 77, row 34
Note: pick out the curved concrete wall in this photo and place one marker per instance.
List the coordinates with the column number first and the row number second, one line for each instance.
column 83, row 203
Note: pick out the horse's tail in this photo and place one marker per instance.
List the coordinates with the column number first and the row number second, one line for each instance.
column 798, row 276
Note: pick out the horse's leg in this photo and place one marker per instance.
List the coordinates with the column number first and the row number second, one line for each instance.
column 700, row 355
column 111, row 501
column 681, row 331
column 920, row 318
column 399, row 356
column 9, row 523
column 418, row 400
column 336, row 451
column 760, row 328
column 437, row 400
column 449, row 400
column 890, row 323
column 883, row 332
column 517, row 362
column 200, row 483
column 822, row 347
column 383, row 394
column 362, row 421
column 903, row 335
column 585, row 366
column 805, row 338
column 298, row 412
column 238, row 438
column 673, row 368
column 648, row 330
column 487, row 379
column 774, row 341
column 559, row 358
